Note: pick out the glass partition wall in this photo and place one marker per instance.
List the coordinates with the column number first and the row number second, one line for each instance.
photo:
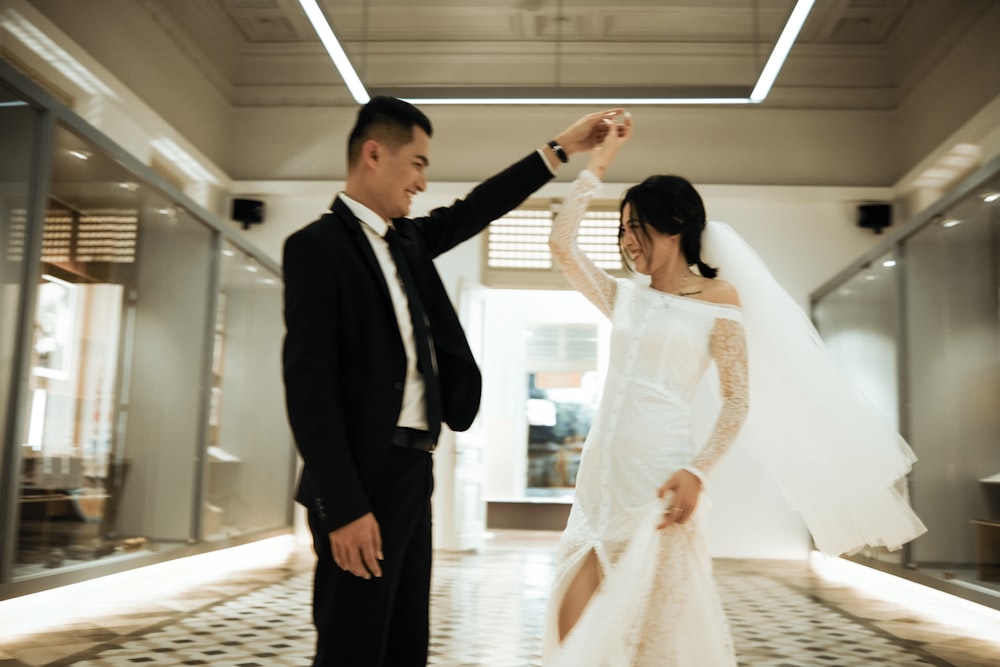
column 20, row 127
column 917, row 324
column 246, row 485
column 142, row 412
column 858, row 323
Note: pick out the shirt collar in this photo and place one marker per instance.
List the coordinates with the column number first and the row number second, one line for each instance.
column 373, row 220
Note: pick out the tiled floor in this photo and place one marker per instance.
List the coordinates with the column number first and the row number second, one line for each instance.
column 487, row 609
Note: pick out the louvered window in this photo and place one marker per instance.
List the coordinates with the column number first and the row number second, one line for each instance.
column 517, row 246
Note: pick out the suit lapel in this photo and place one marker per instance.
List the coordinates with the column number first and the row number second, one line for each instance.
column 362, row 245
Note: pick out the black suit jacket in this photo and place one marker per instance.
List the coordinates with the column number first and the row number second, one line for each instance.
column 343, row 359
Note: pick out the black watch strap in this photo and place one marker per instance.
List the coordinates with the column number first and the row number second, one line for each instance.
column 559, row 151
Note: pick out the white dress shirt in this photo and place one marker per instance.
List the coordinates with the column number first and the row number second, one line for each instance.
column 413, row 413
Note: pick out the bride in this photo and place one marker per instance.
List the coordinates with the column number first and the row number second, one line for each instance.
column 634, row 585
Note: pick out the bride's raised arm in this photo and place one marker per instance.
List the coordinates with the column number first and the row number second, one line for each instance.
column 598, row 286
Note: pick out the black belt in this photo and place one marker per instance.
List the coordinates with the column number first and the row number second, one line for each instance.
column 411, row 438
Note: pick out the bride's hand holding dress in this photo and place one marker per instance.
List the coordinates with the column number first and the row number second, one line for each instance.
column 681, row 491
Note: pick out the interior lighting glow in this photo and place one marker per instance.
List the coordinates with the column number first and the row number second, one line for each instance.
column 36, row 423
column 183, row 160
column 335, row 50
column 970, row 619
column 781, row 49
column 950, row 222
column 889, row 263
column 137, row 590
column 604, row 101
column 759, row 93
column 39, row 43
column 80, row 155
column 991, row 197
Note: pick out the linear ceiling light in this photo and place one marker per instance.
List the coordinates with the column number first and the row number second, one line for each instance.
column 781, row 49
column 603, row 101
column 475, row 96
column 336, row 51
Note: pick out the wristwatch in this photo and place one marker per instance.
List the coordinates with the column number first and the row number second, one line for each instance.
column 559, row 151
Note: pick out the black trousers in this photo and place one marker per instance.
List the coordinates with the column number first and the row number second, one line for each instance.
column 381, row 622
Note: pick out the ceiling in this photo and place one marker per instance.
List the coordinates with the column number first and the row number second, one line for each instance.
column 248, row 83
column 854, row 54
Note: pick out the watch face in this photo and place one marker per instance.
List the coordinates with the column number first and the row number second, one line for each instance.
column 559, row 151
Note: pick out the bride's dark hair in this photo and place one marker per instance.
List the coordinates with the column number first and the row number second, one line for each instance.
column 671, row 205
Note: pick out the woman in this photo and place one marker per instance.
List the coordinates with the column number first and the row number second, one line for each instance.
column 634, row 583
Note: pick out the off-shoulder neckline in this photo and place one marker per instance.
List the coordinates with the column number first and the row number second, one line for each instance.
column 710, row 304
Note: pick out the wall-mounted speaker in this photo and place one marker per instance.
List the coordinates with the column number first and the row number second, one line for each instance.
column 875, row 216
column 248, row 212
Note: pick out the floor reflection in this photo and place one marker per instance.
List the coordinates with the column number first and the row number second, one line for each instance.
column 487, row 611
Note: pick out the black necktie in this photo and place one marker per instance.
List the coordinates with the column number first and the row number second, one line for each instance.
column 421, row 335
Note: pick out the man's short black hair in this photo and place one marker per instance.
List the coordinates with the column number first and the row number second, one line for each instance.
column 387, row 119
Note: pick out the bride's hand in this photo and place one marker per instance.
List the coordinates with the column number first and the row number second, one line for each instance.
column 684, row 489
column 604, row 153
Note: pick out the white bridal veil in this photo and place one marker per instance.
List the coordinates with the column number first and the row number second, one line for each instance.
column 836, row 459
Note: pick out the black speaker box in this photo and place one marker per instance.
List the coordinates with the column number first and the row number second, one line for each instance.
column 875, row 216
column 248, row 211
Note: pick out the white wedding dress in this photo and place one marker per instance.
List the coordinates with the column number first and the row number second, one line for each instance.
column 657, row 604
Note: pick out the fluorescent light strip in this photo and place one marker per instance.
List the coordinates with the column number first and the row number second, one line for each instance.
column 569, row 95
column 610, row 101
column 760, row 91
column 781, row 49
column 335, row 50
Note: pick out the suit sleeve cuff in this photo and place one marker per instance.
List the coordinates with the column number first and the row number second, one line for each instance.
column 545, row 161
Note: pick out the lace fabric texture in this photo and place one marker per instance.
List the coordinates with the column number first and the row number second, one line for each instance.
column 598, row 286
column 657, row 593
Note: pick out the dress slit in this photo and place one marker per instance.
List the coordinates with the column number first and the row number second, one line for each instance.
column 571, row 578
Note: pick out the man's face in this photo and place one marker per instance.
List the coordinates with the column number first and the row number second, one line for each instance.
column 402, row 174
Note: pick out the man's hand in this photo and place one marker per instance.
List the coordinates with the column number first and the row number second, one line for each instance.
column 588, row 132
column 604, row 153
column 683, row 490
column 357, row 547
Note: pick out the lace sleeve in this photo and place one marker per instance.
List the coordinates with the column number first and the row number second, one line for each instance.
column 728, row 345
column 586, row 277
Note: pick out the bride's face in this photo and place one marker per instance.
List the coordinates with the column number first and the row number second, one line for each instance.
column 647, row 247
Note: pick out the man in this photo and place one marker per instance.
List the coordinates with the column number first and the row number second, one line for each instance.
column 374, row 361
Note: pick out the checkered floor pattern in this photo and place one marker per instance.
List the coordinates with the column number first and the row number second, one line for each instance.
column 487, row 611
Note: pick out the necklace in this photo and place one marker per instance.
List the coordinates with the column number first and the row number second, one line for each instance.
column 680, row 288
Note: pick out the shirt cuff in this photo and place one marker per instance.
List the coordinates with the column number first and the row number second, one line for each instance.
column 545, row 159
